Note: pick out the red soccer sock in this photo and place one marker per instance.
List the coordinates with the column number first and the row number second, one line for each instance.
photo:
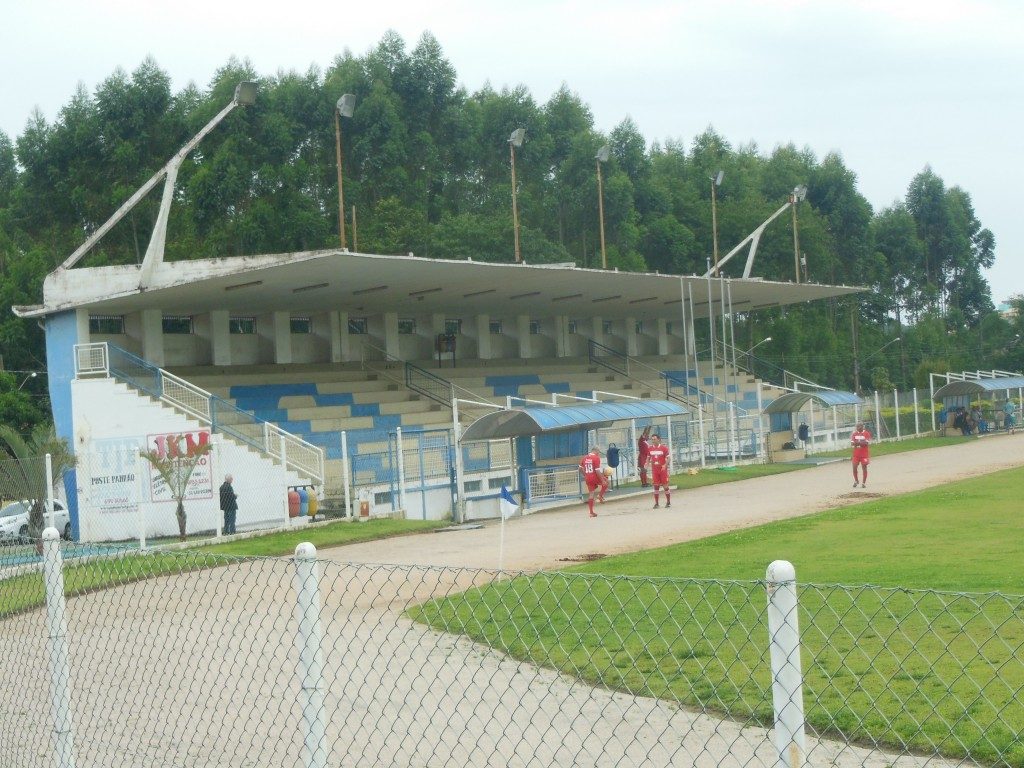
column 590, row 504
column 855, row 473
column 668, row 497
column 655, row 497
column 865, row 480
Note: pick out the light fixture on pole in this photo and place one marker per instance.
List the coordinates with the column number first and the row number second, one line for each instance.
column 799, row 193
column 24, row 381
column 716, row 181
column 515, row 140
column 344, row 108
column 857, row 361
column 244, row 96
column 765, row 340
column 602, row 157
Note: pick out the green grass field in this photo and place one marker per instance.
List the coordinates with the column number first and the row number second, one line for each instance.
column 886, row 665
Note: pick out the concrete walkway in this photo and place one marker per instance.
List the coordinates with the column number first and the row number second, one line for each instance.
column 553, row 539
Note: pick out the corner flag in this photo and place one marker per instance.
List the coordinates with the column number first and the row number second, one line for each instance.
column 509, row 506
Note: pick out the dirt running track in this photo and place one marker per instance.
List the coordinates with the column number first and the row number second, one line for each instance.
column 541, row 541
column 199, row 669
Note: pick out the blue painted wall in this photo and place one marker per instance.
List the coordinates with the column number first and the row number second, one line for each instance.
column 61, row 337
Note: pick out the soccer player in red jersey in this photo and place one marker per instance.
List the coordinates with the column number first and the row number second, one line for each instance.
column 861, row 442
column 590, row 467
column 643, row 448
column 659, row 460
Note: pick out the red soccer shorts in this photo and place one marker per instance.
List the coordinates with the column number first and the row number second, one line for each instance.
column 861, row 460
column 659, row 475
column 593, row 482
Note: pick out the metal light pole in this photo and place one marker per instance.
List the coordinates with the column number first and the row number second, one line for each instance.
column 856, row 363
column 602, row 157
column 515, row 140
column 799, row 193
column 716, row 181
column 25, row 381
column 344, row 108
column 750, row 361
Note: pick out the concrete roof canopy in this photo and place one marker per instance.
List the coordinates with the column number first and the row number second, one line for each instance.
column 337, row 279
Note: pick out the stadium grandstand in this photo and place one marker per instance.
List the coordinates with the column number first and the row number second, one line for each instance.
column 354, row 374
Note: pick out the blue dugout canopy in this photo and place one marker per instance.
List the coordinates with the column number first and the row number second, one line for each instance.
column 795, row 401
column 537, row 420
column 979, row 386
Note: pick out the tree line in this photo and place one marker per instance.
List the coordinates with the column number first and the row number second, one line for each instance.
column 426, row 170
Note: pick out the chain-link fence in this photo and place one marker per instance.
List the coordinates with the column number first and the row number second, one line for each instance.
column 170, row 659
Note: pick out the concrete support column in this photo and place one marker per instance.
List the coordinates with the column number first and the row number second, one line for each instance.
column 663, row 337
column 597, row 330
column 523, row 336
column 391, row 345
column 483, row 337
column 220, row 337
column 337, row 324
column 632, row 343
column 282, row 337
column 82, row 325
column 153, row 336
column 562, row 346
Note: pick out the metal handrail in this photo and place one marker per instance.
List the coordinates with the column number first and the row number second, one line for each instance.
column 219, row 414
column 671, row 380
column 443, row 391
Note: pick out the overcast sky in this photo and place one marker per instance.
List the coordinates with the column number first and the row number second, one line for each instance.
column 893, row 85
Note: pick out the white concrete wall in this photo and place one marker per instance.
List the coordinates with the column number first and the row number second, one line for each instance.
column 110, row 420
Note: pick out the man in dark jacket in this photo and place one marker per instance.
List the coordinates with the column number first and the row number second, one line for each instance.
column 228, row 504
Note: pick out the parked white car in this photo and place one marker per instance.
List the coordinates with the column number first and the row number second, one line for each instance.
column 14, row 520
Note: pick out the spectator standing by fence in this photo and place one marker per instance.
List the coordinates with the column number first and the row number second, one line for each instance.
column 643, row 448
column 228, row 504
column 1009, row 415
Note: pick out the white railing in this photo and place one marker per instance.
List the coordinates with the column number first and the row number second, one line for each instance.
column 103, row 359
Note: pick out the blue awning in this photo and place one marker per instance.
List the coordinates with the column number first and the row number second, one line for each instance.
column 536, row 420
column 979, row 386
column 795, row 401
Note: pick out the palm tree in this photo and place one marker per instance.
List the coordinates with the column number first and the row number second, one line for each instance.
column 176, row 467
column 23, row 469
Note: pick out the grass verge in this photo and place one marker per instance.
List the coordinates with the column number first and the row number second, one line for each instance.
column 25, row 591
column 929, row 671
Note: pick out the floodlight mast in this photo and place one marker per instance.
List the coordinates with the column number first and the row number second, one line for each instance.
column 245, row 95
column 755, row 237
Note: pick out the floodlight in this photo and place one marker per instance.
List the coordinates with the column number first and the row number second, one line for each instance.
column 245, row 93
column 799, row 193
column 604, row 153
column 516, row 139
column 718, row 178
column 347, row 105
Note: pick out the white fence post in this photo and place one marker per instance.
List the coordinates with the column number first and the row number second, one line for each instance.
column 896, row 406
column 60, row 669
column 142, row 476
column 917, row 420
column 51, row 514
column 401, row 469
column 835, row 429
column 350, row 508
column 811, row 425
column 787, row 676
column 878, row 418
column 633, row 449
column 311, row 665
column 732, row 432
column 284, row 467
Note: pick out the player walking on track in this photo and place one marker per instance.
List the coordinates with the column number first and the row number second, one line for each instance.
column 643, row 448
column 590, row 467
column 659, row 460
column 861, row 442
